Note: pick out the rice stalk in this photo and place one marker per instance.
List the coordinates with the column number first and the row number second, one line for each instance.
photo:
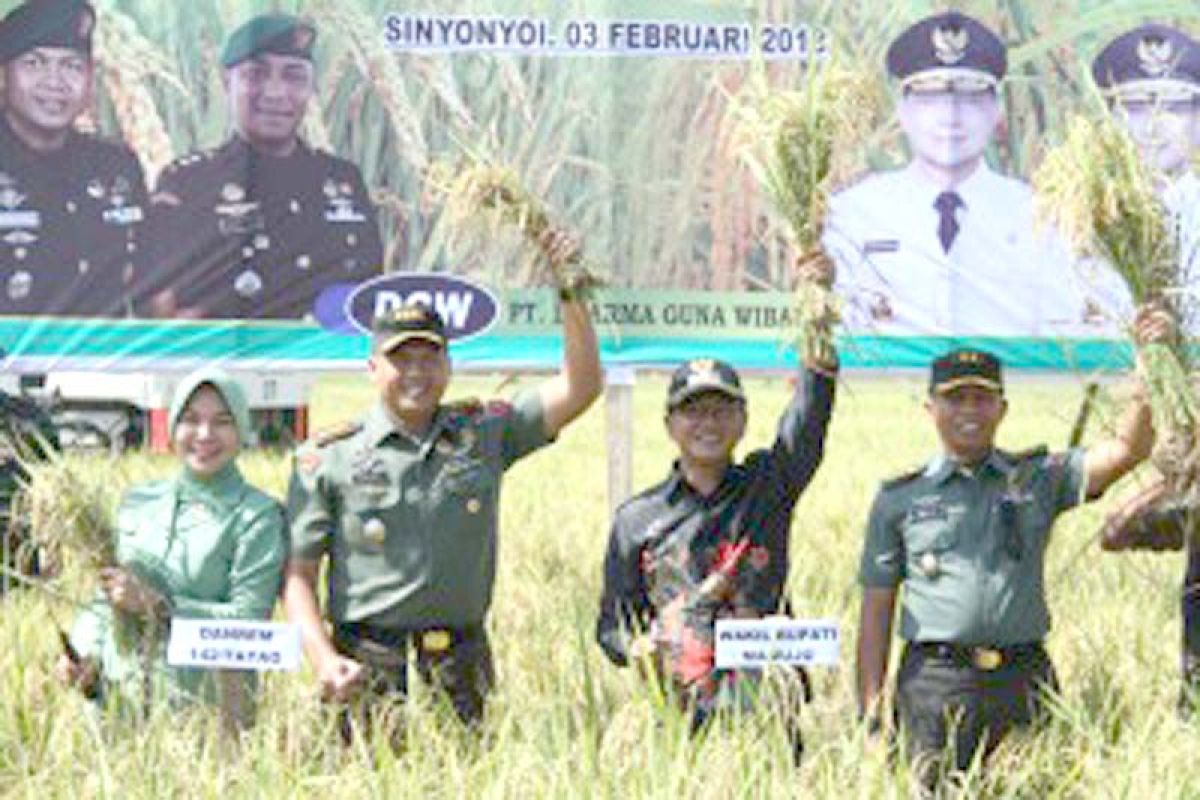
column 71, row 512
column 129, row 60
column 801, row 145
column 382, row 72
column 1100, row 194
column 495, row 194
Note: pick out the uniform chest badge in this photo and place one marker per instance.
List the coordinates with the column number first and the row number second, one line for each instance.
column 248, row 284
column 233, row 193
column 368, row 470
column 374, row 530
column 20, row 284
column 474, row 505
column 931, row 566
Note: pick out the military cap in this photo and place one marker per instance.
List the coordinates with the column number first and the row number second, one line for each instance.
column 703, row 375
column 1150, row 61
column 965, row 368
column 47, row 23
column 946, row 52
column 413, row 321
column 278, row 34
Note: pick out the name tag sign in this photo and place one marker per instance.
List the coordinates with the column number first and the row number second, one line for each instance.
column 234, row 644
column 756, row 643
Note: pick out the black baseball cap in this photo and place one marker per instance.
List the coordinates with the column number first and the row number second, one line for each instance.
column 399, row 325
column 965, row 367
column 1149, row 62
column 703, row 375
column 278, row 34
column 47, row 23
column 946, row 52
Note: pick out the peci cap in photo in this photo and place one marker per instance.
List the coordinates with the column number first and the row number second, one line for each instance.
column 965, row 368
column 703, row 375
column 947, row 52
column 1150, row 62
column 47, row 23
column 277, row 34
column 414, row 321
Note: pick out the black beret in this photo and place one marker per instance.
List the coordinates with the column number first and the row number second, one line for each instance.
column 1150, row 58
column 278, row 34
column 47, row 23
column 965, row 368
column 951, row 47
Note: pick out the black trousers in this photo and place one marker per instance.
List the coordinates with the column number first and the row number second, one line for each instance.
column 455, row 661
column 1190, row 609
column 949, row 708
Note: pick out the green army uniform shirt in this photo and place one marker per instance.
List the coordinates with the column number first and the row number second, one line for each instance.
column 214, row 548
column 969, row 545
column 410, row 526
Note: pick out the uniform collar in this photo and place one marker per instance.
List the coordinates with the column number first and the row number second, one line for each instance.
column 225, row 486
column 677, row 486
column 971, row 190
column 943, row 467
column 378, row 425
column 241, row 148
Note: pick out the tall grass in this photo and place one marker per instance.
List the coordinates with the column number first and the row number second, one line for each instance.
column 564, row 723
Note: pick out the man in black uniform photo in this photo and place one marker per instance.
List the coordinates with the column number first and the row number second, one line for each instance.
column 262, row 225
column 70, row 203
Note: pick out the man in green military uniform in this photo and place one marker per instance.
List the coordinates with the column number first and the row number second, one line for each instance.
column 263, row 225
column 965, row 536
column 404, row 504
column 70, row 203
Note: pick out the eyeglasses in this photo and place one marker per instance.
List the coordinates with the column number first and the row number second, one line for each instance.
column 717, row 410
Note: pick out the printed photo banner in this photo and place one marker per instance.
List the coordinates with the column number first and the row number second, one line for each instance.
column 241, row 183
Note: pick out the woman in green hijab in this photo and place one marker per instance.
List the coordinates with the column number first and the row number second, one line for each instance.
column 203, row 544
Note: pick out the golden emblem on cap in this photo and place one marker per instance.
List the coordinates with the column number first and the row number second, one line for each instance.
column 1155, row 55
column 950, row 44
column 970, row 357
column 930, row 566
column 83, row 23
column 374, row 530
column 444, row 447
column 302, row 37
column 703, row 371
column 987, row 659
column 436, row 641
column 473, row 505
column 232, row 193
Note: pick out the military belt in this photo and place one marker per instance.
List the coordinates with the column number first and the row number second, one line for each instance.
column 981, row 657
column 432, row 640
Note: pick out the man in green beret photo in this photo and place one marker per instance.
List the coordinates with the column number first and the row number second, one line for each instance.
column 71, row 203
column 260, row 226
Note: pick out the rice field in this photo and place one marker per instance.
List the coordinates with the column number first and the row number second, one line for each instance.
column 564, row 723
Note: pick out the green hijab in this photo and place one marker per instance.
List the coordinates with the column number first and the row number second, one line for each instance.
column 224, row 384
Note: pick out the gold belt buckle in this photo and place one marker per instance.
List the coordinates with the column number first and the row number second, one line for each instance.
column 986, row 658
column 436, row 641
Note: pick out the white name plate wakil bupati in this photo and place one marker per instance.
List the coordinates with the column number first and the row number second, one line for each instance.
column 233, row 644
column 756, row 643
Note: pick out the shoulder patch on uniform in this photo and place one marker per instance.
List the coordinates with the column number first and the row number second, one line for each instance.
column 498, row 408
column 904, row 477
column 337, row 433
column 471, row 407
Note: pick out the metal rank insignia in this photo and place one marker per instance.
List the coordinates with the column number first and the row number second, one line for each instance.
column 930, row 565
column 473, row 505
column 374, row 530
column 987, row 659
column 436, row 641
column 950, row 44
column 248, row 283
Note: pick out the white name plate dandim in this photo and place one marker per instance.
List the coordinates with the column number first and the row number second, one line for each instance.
column 755, row 643
column 233, row 644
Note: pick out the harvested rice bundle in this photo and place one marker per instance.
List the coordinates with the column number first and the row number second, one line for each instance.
column 801, row 147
